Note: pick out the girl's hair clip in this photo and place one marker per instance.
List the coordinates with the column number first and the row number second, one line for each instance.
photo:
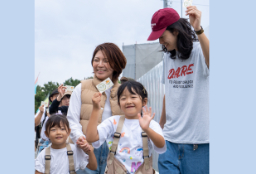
column 144, row 90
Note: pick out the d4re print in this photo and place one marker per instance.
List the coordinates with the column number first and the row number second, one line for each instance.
column 181, row 71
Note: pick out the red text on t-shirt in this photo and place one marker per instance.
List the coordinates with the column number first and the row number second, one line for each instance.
column 180, row 71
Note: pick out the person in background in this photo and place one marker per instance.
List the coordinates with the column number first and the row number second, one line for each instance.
column 61, row 103
column 185, row 114
column 41, row 117
column 107, row 61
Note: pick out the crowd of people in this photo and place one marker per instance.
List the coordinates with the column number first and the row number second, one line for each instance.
column 85, row 131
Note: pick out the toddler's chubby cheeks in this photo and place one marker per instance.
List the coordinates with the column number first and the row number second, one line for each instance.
column 57, row 130
column 131, row 102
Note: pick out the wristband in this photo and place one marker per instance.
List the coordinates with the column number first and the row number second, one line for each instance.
column 200, row 31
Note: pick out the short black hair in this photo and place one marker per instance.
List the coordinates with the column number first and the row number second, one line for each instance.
column 133, row 87
column 56, row 119
column 55, row 91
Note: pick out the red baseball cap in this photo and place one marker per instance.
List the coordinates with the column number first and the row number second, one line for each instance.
column 161, row 20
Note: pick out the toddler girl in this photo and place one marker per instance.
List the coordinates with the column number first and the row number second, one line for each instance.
column 132, row 137
column 61, row 157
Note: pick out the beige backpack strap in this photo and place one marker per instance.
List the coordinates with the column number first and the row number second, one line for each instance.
column 145, row 150
column 70, row 159
column 117, row 136
column 47, row 158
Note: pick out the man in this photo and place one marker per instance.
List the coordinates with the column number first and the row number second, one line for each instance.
column 185, row 114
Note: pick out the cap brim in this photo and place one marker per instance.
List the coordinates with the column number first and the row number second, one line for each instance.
column 156, row 34
column 67, row 93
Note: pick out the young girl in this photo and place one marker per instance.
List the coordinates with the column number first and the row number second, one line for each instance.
column 128, row 147
column 59, row 159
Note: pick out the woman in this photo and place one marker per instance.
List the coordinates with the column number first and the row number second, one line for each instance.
column 107, row 61
column 185, row 113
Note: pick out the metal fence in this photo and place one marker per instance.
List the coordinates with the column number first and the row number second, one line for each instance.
column 156, row 90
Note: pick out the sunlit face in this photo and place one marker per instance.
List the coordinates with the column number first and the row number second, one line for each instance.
column 65, row 100
column 169, row 40
column 101, row 66
column 58, row 136
column 131, row 104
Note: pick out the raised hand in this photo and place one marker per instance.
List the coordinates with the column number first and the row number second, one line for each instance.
column 41, row 108
column 194, row 17
column 96, row 98
column 145, row 120
column 61, row 90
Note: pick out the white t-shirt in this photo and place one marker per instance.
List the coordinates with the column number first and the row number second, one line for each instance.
column 186, row 98
column 130, row 148
column 74, row 111
column 59, row 160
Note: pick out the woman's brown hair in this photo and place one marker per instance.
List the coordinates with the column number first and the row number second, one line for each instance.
column 116, row 58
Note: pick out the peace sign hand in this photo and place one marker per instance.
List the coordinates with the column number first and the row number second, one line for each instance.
column 146, row 119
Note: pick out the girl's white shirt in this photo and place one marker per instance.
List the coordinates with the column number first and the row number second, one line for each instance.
column 59, row 160
column 130, row 148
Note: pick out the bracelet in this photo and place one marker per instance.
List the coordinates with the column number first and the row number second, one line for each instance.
column 200, row 31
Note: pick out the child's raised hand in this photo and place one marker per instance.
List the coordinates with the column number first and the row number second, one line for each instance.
column 96, row 98
column 145, row 120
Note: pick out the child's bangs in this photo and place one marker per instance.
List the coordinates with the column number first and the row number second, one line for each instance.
column 57, row 120
column 59, row 123
column 132, row 89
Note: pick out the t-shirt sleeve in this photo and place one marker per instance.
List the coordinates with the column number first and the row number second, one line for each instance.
column 163, row 74
column 42, row 134
column 206, row 71
column 105, row 130
column 40, row 162
column 156, row 127
column 81, row 158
